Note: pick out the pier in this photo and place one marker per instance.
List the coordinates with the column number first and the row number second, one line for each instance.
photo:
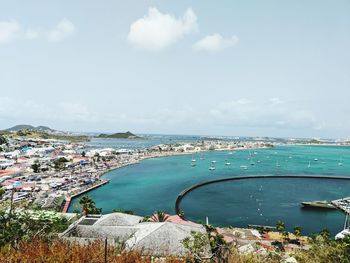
column 339, row 203
column 342, row 204
column 69, row 199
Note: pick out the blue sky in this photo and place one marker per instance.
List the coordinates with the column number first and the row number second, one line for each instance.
column 255, row 68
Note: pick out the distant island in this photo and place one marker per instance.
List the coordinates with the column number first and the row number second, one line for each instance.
column 119, row 135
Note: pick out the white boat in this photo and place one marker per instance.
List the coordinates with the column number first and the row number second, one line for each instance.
column 227, row 163
column 346, row 232
column 244, row 167
column 193, row 164
column 213, row 161
column 315, row 159
column 212, row 168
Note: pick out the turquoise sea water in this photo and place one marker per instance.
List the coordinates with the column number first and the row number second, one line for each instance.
column 154, row 185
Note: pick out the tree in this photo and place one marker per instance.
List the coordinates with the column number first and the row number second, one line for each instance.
column 3, row 140
column 36, row 166
column 88, row 206
column 159, row 216
column 197, row 244
column 2, row 192
column 325, row 234
column 280, row 226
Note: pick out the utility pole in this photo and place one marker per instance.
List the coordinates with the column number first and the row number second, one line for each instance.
column 106, row 250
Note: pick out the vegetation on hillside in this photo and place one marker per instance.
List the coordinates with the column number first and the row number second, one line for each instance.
column 119, row 135
column 36, row 134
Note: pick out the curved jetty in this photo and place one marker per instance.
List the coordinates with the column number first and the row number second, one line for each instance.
column 190, row 189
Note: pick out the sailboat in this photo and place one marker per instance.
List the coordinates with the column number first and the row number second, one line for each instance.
column 346, row 232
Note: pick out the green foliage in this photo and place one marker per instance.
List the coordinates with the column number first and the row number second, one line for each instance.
column 197, row 244
column 59, row 163
column 3, row 140
column 36, row 166
column 88, row 206
column 324, row 251
column 2, row 192
column 159, row 216
column 280, row 226
column 24, row 226
column 325, row 234
column 297, row 232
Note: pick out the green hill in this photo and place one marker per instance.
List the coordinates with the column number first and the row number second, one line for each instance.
column 119, row 135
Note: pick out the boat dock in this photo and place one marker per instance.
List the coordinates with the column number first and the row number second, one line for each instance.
column 69, row 199
column 342, row 204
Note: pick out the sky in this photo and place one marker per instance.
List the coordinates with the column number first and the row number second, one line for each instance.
column 237, row 68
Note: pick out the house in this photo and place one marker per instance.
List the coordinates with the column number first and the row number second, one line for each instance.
column 150, row 238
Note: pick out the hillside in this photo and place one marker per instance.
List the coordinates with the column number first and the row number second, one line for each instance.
column 32, row 128
column 119, row 135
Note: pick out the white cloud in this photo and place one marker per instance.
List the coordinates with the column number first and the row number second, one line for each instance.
column 272, row 113
column 9, row 31
column 62, row 30
column 214, row 43
column 156, row 31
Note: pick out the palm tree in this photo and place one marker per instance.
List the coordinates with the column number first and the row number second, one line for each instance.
column 159, row 216
column 87, row 205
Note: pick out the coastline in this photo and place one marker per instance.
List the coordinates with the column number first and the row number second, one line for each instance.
column 130, row 162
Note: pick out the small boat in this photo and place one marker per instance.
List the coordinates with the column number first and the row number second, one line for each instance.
column 315, row 159
column 277, row 164
column 227, row 163
column 212, row 168
column 213, row 161
column 244, row 167
column 193, row 164
column 258, row 161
